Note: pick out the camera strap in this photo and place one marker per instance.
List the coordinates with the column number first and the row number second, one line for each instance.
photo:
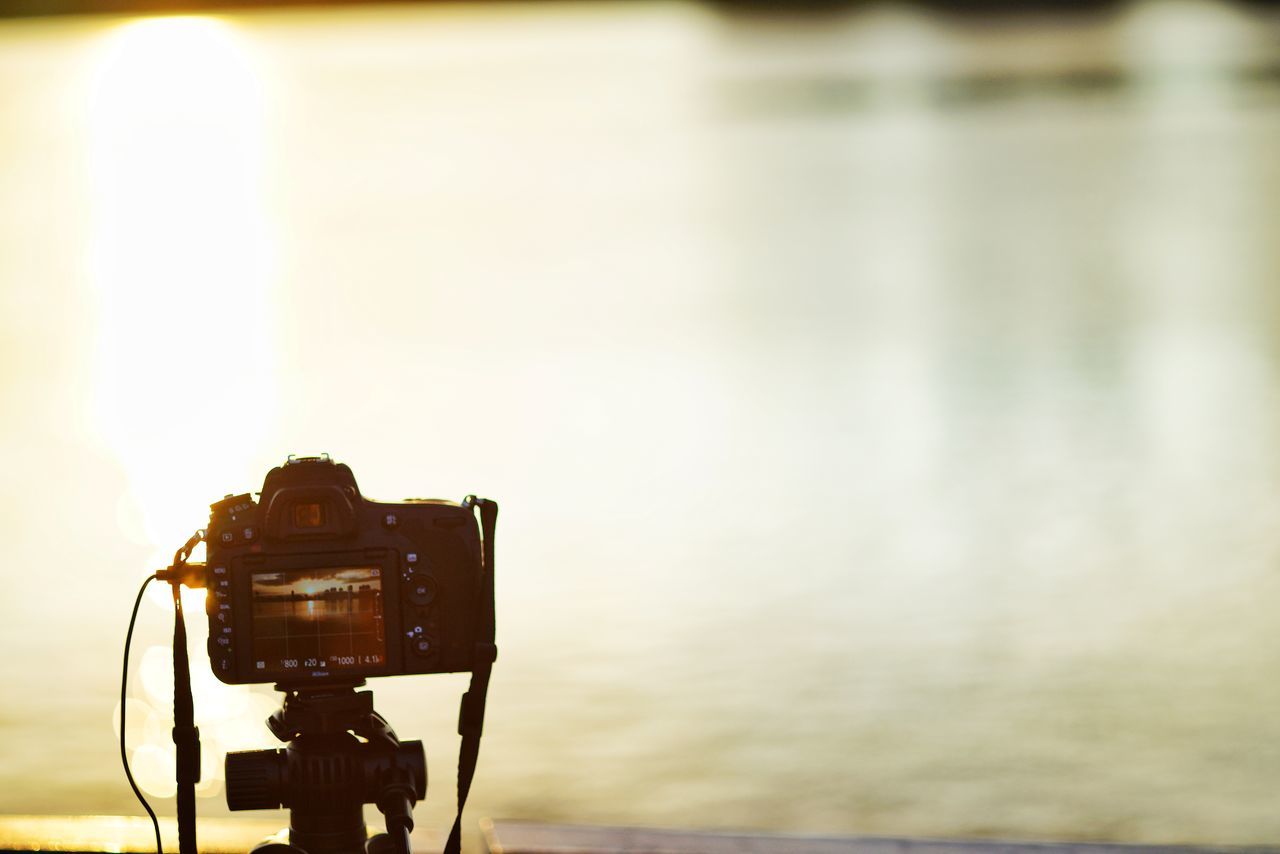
column 186, row 735
column 471, row 713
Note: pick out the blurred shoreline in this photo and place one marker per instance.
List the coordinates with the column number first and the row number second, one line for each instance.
column 797, row 8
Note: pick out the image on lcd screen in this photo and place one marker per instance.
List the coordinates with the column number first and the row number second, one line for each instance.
column 318, row 619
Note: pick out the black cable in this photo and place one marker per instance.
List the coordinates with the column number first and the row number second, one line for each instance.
column 124, row 684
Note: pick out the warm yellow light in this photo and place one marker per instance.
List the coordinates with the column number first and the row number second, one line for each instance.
column 184, row 368
column 181, row 266
column 152, row 766
column 229, row 717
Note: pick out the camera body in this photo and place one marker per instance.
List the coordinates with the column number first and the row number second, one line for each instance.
column 314, row 584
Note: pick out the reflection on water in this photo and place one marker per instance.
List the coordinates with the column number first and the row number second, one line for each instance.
column 178, row 259
column 871, row 459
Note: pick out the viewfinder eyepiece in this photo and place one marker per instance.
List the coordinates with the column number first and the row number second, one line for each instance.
column 308, row 515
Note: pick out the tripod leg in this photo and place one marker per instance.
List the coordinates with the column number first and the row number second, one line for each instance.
column 394, row 841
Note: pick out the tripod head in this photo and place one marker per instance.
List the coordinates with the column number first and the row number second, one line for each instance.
column 341, row 754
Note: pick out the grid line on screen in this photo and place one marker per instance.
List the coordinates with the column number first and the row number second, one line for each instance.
column 299, row 617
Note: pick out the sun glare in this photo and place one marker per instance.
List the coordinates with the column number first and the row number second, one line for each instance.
column 180, row 264
column 184, row 373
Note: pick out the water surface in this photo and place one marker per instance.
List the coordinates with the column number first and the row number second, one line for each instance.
column 886, row 430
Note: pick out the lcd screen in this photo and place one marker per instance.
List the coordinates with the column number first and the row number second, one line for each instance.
column 326, row 619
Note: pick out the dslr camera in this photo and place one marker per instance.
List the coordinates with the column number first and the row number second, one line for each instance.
column 316, row 588
column 313, row 584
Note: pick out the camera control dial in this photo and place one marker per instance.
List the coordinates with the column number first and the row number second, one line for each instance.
column 423, row 645
column 420, row 589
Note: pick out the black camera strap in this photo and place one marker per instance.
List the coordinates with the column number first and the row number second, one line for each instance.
column 471, row 713
column 186, row 736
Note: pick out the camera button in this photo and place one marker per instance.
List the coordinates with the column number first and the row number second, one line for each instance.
column 423, row 646
column 390, row 520
column 249, row 533
column 421, row 590
column 227, row 536
column 411, row 557
column 219, row 647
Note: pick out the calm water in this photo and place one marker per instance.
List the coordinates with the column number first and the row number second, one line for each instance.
column 885, row 444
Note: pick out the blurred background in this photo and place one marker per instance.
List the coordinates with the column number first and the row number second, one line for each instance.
column 883, row 400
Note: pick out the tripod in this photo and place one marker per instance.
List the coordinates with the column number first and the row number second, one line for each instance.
column 326, row 774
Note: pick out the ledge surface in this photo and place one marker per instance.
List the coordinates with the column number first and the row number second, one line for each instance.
column 118, row 834
column 516, row 837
